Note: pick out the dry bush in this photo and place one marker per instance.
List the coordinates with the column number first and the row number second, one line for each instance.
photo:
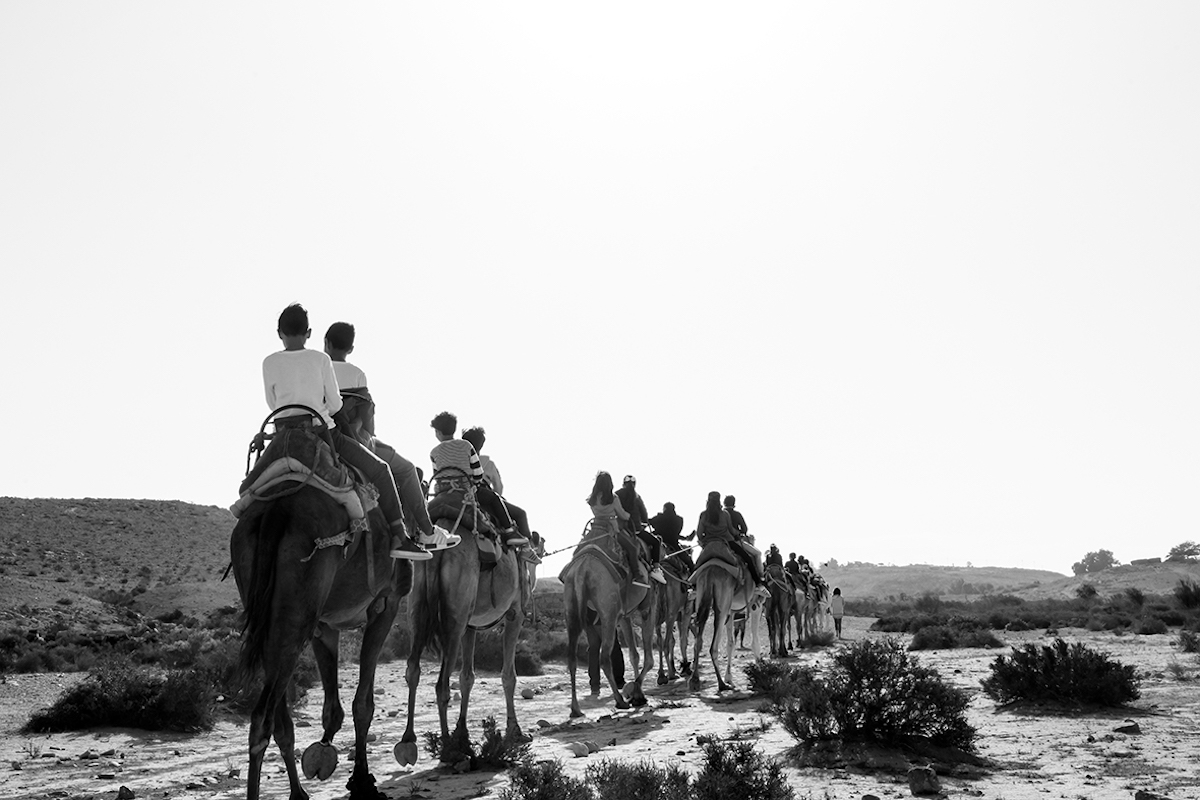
column 949, row 637
column 1061, row 673
column 545, row 780
column 1189, row 642
column 643, row 780
column 875, row 691
column 777, row 681
column 1187, row 593
column 497, row 750
column 739, row 770
column 124, row 695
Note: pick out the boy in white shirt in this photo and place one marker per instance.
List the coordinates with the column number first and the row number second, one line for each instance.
column 360, row 409
column 298, row 376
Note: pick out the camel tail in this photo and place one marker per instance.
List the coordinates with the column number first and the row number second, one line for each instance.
column 427, row 603
column 261, row 587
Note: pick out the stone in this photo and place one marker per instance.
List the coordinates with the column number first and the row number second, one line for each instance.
column 106, row 776
column 88, row 755
column 1131, row 729
column 870, row 797
column 125, row 793
column 541, row 723
column 463, row 766
column 578, row 748
column 109, row 752
column 1143, row 794
column 591, row 746
column 923, row 780
column 527, row 693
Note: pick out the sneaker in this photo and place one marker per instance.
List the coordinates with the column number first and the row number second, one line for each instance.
column 762, row 591
column 531, row 557
column 439, row 539
column 657, row 574
column 411, row 551
column 513, row 538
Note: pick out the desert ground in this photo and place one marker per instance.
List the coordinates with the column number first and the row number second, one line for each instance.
column 1029, row 752
column 101, row 565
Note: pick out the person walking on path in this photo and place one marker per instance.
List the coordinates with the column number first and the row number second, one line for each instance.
column 837, row 607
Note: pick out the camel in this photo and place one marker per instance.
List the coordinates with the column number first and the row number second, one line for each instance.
column 452, row 598
column 779, row 609
column 292, row 591
column 674, row 610
column 595, row 602
column 722, row 587
column 811, row 600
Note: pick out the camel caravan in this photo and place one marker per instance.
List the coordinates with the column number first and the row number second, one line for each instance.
column 334, row 528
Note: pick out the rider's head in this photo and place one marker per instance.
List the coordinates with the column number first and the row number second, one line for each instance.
column 340, row 337
column 730, row 501
column 668, row 508
column 602, row 489
column 713, row 508
column 445, row 423
column 792, row 556
column 629, row 481
column 293, row 321
column 476, row 437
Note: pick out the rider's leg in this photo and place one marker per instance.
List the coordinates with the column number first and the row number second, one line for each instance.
column 377, row 472
column 633, row 558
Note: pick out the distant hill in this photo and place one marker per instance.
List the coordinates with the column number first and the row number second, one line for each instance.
column 1150, row 578
column 881, row 582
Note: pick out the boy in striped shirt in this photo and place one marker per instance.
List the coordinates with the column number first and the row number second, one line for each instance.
column 455, row 460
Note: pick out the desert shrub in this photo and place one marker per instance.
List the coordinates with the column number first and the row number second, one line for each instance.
column 644, row 780
column 1086, row 591
column 124, row 695
column 489, row 655
column 875, row 691
column 1171, row 617
column 497, row 750
column 776, row 680
column 928, row 603
column 1189, row 642
column 949, row 637
column 1151, row 625
column 738, row 769
column 545, row 780
column 1061, row 673
column 817, row 639
column 1135, row 596
column 1187, row 593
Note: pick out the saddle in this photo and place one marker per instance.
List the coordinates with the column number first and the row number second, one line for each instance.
column 719, row 554
column 298, row 455
column 455, row 501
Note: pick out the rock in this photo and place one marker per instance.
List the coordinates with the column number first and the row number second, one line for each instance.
column 1142, row 794
column 379, row 691
column 371, row 737
column 88, row 755
column 1132, row 729
column 923, row 780
column 681, row 752
column 463, row 766
column 527, row 693
column 109, row 752
column 302, row 723
column 578, row 748
column 591, row 746
column 393, row 713
column 612, row 742
column 869, row 797
column 541, row 723
column 125, row 793
column 105, row 776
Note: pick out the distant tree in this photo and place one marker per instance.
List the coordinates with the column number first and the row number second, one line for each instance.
column 1085, row 591
column 832, row 563
column 1098, row 561
column 956, row 586
column 1184, row 551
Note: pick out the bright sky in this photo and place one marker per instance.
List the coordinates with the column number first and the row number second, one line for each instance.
column 916, row 282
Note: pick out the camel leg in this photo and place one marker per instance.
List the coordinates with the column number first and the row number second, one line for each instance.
column 271, row 716
column 466, row 682
column 406, row 750
column 594, row 656
column 724, row 683
column 608, row 637
column 701, row 620
column 722, row 630
column 362, row 782
column 508, row 675
column 753, row 620
column 633, row 689
column 574, row 626
column 325, row 652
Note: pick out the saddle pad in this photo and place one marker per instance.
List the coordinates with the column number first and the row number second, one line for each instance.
column 357, row 499
column 735, row 570
column 718, row 550
column 307, row 450
column 596, row 550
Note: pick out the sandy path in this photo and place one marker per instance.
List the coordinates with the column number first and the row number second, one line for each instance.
column 1036, row 756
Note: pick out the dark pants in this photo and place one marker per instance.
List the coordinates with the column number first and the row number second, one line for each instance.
column 409, row 485
column 654, row 543
column 377, row 472
column 631, row 553
column 491, row 502
column 520, row 518
column 750, row 565
column 684, row 553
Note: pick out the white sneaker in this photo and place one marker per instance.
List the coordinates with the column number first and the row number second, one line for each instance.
column 440, row 539
column 657, row 574
column 641, row 585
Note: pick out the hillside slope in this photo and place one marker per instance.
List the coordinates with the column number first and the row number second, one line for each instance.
column 913, row 580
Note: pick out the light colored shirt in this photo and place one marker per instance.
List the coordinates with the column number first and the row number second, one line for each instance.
column 349, row 376
column 302, row 377
column 457, row 458
column 492, row 473
column 837, row 605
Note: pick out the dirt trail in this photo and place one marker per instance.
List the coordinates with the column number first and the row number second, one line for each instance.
column 1035, row 755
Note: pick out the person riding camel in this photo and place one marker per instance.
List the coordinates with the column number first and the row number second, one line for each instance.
column 299, row 376
column 608, row 514
column 360, row 411
column 669, row 525
column 774, row 557
column 715, row 524
column 491, row 476
column 637, row 525
column 456, row 468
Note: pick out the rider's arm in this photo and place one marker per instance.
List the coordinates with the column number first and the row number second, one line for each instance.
column 622, row 514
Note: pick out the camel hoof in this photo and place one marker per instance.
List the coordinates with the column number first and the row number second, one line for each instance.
column 405, row 753
column 576, row 713
column 662, row 679
column 319, row 761
column 622, row 703
column 637, row 701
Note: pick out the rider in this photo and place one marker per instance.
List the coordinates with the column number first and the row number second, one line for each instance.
column 669, row 525
column 491, row 476
column 715, row 524
column 774, row 557
column 607, row 510
column 298, row 376
column 456, row 467
column 360, row 411
column 638, row 518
